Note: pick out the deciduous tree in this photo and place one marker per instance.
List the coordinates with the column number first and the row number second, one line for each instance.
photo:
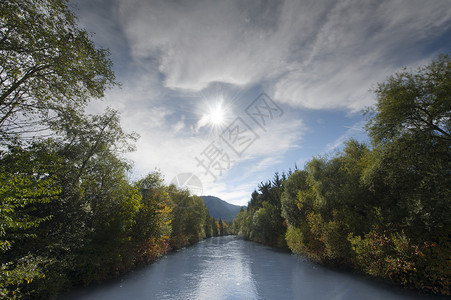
column 49, row 67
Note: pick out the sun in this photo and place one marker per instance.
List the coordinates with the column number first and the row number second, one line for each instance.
column 216, row 116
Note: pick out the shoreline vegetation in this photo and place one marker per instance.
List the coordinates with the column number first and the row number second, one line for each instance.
column 382, row 208
column 70, row 216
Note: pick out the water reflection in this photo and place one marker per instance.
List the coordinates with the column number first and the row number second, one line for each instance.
column 225, row 272
column 230, row 268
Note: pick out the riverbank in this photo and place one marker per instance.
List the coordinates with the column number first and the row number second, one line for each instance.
column 231, row 268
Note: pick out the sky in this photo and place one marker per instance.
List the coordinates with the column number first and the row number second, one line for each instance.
column 224, row 94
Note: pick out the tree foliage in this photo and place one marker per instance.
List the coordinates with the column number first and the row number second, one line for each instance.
column 414, row 103
column 49, row 67
column 69, row 214
column 383, row 210
column 262, row 220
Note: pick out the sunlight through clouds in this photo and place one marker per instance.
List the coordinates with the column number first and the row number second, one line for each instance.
column 189, row 68
column 216, row 115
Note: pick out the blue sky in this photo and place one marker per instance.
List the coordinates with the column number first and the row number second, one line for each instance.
column 193, row 74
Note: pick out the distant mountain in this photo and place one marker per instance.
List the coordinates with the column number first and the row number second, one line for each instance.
column 219, row 209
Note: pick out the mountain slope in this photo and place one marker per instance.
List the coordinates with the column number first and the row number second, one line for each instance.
column 220, row 209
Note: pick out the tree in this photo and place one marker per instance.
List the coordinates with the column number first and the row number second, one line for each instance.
column 27, row 183
column 414, row 103
column 290, row 209
column 214, row 227
column 49, row 67
column 88, row 151
column 383, row 210
column 262, row 220
column 152, row 224
column 221, row 227
column 95, row 207
column 411, row 132
column 410, row 178
column 265, row 223
column 188, row 217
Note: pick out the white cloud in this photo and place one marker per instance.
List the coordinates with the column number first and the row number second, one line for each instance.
column 266, row 162
column 359, row 43
column 265, row 154
column 180, row 125
column 315, row 54
column 203, row 121
column 312, row 54
column 206, row 41
column 280, row 136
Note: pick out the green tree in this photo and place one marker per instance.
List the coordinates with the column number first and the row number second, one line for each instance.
column 411, row 130
column 291, row 210
column 188, row 218
column 262, row 220
column 95, row 200
column 49, row 67
column 214, row 227
column 27, row 184
column 152, row 224
column 208, row 225
column 328, row 201
column 265, row 224
column 410, row 175
column 417, row 103
column 221, row 227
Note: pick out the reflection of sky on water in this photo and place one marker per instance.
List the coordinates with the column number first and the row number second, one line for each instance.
column 230, row 268
column 225, row 273
column 279, row 275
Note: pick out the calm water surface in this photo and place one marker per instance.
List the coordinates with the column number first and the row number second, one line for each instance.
column 231, row 268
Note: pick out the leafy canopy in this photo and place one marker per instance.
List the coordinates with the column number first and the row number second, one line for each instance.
column 415, row 103
column 48, row 66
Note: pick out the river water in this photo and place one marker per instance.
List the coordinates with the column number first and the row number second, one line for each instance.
column 230, row 268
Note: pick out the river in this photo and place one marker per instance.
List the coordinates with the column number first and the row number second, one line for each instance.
column 231, row 268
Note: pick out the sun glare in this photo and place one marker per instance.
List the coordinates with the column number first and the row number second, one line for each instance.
column 216, row 116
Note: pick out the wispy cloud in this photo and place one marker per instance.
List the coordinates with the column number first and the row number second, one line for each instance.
column 305, row 54
column 314, row 54
column 351, row 132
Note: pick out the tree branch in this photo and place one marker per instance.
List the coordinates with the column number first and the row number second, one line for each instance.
column 18, row 83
